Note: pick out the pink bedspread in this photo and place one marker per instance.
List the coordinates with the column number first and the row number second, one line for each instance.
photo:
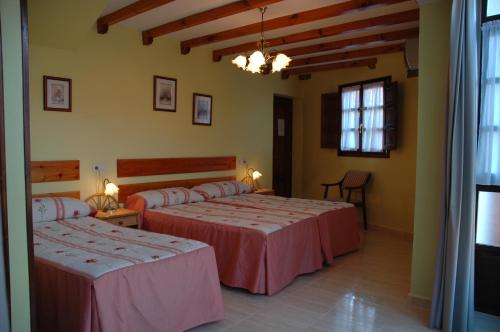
column 338, row 221
column 93, row 276
column 256, row 250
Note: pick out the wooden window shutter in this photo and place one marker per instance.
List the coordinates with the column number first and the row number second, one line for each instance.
column 330, row 121
column 390, row 115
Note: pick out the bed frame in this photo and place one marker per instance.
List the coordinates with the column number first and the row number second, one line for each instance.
column 69, row 194
column 130, row 189
column 55, row 171
column 69, row 170
column 164, row 166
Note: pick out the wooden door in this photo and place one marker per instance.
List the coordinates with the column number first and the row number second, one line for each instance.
column 282, row 146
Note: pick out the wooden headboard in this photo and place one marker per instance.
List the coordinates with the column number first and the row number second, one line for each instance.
column 56, row 170
column 130, row 189
column 163, row 166
column 70, row 194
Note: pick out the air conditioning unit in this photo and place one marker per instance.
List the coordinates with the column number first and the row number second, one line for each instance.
column 411, row 57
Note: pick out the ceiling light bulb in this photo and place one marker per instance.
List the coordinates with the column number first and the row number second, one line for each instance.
column 280, row 62
column 240, row 61
column 257, row 59
column 253, row 68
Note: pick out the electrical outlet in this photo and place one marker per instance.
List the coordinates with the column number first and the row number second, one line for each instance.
column 97, row 167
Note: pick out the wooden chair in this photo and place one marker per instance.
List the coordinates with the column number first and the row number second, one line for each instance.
column 353, row 181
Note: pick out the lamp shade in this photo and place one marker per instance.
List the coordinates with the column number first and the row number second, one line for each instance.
column 111, row 189
column 255, row 61
column 240, row 61
column 280, row 62
column 256, row 175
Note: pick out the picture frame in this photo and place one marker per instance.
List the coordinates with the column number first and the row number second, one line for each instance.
column 56, row 94
column 202, row 109
column 165, row 94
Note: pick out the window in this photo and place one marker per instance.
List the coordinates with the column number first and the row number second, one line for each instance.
column 491, row 10
column 361, row 119
column 367, row 121
column 488, row 154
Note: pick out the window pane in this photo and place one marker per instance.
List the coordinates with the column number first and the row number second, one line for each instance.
column 373, row 117
column 349, row 139
column 493, row 8
column 373, row 140
column 488, row 154
column 373, row 95
column 491, row 49
column 488, row 219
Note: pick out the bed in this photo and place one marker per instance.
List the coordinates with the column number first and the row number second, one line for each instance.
column 261, row 261
column 93, row 276
column 256, row 250
column 337, row 221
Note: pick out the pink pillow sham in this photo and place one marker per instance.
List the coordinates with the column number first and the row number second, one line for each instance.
column 222, row 189
column 169, row 196
column 56, row 208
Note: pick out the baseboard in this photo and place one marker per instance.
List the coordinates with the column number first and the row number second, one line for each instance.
column 420, row 301
column 393, row 231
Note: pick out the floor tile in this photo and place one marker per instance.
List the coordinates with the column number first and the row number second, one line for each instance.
column 363, row 291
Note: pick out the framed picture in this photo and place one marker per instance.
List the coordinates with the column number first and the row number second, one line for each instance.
column 202, row 109
column 56, row 94
column 165, row 94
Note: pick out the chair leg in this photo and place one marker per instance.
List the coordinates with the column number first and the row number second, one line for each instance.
column 364, row 216
column 365, row 221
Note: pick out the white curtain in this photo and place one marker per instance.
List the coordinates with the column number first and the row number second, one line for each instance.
column 488, row 161
column 349, row 139
column 453, row 296
column 373, row 117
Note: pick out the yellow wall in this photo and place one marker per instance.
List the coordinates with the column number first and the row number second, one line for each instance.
column 113, row 118
column 14, row 153
column 433, row 57
column 112, row 104
column 391, row 191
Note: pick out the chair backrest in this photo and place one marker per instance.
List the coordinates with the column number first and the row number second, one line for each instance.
column 355, row 178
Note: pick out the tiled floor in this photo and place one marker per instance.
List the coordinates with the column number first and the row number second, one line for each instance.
column 363, row 291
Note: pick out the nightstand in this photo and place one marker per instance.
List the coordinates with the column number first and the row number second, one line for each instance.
column 119, row 217
column 264, row 191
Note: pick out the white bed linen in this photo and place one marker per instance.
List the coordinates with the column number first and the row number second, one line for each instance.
column 93, row 247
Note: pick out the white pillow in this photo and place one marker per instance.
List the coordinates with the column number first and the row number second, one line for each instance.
column 169, row 196
column 222, row 189
column 56, row 208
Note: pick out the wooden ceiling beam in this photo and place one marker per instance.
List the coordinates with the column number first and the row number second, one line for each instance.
column 203, row 17
column 367, row 52
column 370, row 63
column 339, row 44
column 126, row 12
column 285, row 21
column 378, row 21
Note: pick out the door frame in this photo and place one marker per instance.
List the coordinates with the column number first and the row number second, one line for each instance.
column 27, row 159
column 277, row 95
column 3, row 188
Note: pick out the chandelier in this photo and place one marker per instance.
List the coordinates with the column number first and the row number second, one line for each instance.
column 261, row 59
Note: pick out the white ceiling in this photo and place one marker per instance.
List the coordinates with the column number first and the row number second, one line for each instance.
column 182, row 8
